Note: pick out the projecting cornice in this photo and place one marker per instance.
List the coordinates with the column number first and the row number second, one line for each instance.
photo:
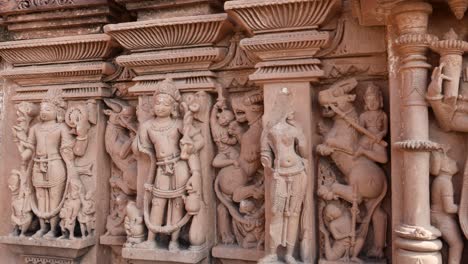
column 174, row 32
column 61, row 49
column 258, row 16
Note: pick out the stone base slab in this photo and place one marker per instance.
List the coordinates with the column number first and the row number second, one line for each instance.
column 58, row 248
column 146, row 256
column 364, row 261
column 232, row 252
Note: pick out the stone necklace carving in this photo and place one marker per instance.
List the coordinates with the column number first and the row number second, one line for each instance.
column 164, row 128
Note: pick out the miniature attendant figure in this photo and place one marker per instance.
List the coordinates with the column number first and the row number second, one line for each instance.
column 220, row 119
column 70, row 210
column 86, row 214
column 21, row 215
column 374, row 119
column 443, row 207
column 253, row 231
column 134, row 225
column 284, row 152
column 340, row 225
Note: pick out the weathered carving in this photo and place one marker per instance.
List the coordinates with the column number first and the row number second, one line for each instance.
column 48, row 160
column 25, row 4
column 173, row 192
column 239, row 183
column 86, row 216
column 121, row 130
column 355, row 157
column 443, row 207
column 21, row 216
column 448, row 101
column 458, row 7
column 284, row 153
column 70, row 209
column 134, row 224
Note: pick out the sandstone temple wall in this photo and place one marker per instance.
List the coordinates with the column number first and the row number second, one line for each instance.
column 233, row 131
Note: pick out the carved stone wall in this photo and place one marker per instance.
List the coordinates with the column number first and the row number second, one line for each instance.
column 230, row 132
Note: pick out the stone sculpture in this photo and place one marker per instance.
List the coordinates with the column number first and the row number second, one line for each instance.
column 86, row 216
column 48, row 152
column 284, row 154
column 21, row 216
column 173, row 186
column 70, row 210
column 443, row 207
column 121, row 131
column 340, row 230
column 365, row 182
column 239, row 183
column 134, row 224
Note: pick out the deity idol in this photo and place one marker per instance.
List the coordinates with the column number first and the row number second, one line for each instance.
column 175, row 179
column 284, row 153
column 50, row 150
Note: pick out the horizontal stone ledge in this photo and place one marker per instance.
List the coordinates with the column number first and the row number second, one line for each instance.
column 174, row 32
column 63, row 248
column 155, row 254
column 70, row 91
column 61, row 49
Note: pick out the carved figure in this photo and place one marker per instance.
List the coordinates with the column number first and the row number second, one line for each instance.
column 443, row 207
column 121, row 130
column 86, row 216
column 284, row 152
column 116, row 218
column 242, row 179
column 70, row 210
column 21, row 215
column 253, row 230
column 49, row 154
column 172, row 145
column 375, row 121
column 25, row 112
column 365, row 181
column 449, row 104
column 134, row 224
column 340, row 228
column 220, row 120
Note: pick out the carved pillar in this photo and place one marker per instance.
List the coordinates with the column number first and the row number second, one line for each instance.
column 170, row 51
column 286, row 47
column 60, row 164
column 416, row 239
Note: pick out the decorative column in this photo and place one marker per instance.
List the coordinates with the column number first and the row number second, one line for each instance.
column 416, row 240
column 57, row 166
column 171, row 48
column 286, row 41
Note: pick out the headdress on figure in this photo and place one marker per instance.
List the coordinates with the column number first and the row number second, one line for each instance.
column 374, row 90
column 167, row 87
column 54, row 97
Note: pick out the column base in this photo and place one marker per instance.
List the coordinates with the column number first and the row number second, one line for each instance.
column 405, row 256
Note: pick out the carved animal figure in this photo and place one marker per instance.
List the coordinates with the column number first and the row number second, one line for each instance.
column 239, row 181
column 120, row 132
column 365, row 180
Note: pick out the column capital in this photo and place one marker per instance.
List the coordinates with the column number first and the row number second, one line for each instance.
column 286, row 45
